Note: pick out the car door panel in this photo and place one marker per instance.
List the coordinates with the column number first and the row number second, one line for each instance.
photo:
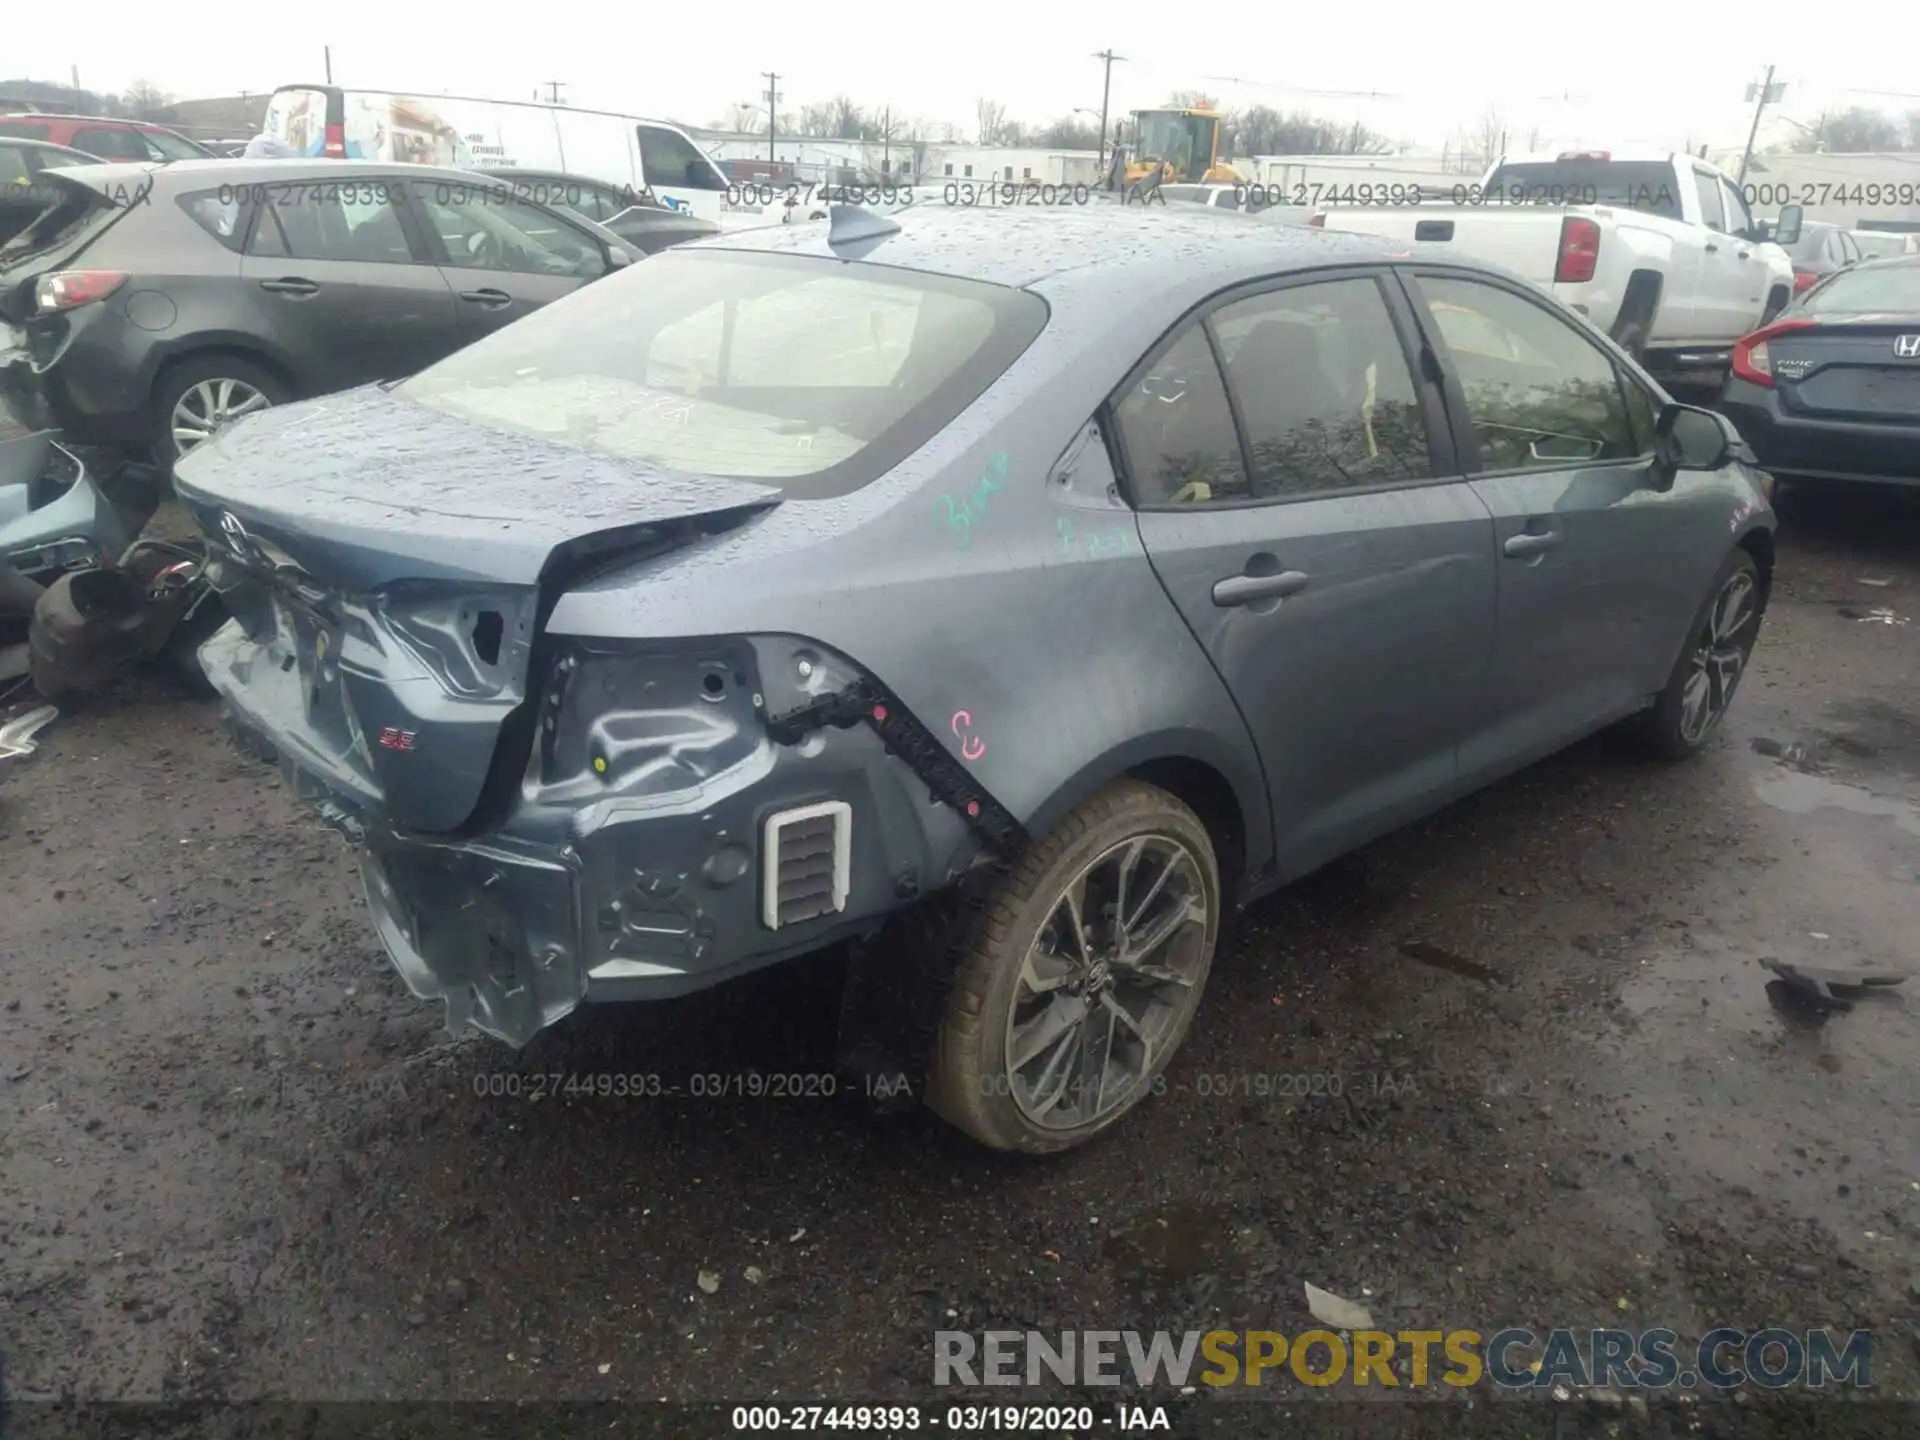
column 1351, row 624
column 329, row 273
column 1590, row 559
column 503, row 256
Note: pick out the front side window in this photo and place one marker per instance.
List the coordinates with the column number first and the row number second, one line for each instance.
column 1177, row 428
column 218, row 215
column 485, row 228
column 1538, row 392
column 668, row 158
column 1324, row 390
column 813, row 375
column 1739, row 218
column 357, row 221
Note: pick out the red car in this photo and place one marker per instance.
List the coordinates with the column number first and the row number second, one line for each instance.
column 108, row 139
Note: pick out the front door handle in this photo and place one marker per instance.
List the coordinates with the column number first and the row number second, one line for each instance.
column 1521, row 546
column 1245, row 589
column 291, row 285
column 492, row 299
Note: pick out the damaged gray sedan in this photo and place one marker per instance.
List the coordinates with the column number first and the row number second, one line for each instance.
column 1012, row 594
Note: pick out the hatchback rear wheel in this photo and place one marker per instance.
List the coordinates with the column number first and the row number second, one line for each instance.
column 1087, row 974
column 199, row 399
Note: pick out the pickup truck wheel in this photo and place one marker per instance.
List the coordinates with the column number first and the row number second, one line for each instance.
column 1089, row 969
column 1709, row 669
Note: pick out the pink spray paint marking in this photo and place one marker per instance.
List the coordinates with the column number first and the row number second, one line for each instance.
column 971, row 747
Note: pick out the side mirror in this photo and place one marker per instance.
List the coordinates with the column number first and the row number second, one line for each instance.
column 1786, row 230
column 1686, row 437
column 618, row 259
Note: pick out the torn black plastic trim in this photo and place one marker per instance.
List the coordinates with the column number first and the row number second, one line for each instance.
column 867, row 702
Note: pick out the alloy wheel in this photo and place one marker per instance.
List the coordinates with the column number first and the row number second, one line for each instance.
column 208, row 407
column 1107, row 982
column 1719, row 657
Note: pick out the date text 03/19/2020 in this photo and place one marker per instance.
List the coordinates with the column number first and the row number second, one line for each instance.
column 984, row 193
column 1051, row 1420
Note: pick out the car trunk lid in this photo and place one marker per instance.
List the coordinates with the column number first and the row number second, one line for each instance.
column 1851, row 368
column 392, row 566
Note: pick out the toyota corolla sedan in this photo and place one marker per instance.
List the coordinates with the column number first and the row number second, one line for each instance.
column 1017, row 594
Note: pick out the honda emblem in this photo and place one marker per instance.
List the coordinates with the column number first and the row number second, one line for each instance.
column 396, row 739
column 1907, row 347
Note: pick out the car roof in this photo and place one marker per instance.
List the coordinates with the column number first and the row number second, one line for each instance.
column 1132, row 243
column 109, row 122
column 184, row 174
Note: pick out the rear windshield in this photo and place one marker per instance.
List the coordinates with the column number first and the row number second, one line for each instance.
column 71, row 209
column 1867, row 290
column 1632, row 185
column 812, row 375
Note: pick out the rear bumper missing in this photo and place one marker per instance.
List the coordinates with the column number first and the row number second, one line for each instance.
column 625, row 898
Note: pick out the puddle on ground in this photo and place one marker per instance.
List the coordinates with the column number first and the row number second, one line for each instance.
column 1800, row 793
column 1173, row 1245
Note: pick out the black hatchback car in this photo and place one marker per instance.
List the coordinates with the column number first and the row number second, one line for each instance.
column 149, row 305
column 1830, row 391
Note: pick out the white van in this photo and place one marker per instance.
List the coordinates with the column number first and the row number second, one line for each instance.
column 624, row 150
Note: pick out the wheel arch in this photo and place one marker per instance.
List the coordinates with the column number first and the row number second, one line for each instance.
column 1201, row 773
column 1758, row 542
column 206, row 347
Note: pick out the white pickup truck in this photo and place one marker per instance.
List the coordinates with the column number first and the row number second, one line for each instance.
column 1656, row 248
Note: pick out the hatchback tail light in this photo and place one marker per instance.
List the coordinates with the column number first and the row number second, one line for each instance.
column 336, row 142
column 69, row 289
column 1318, row 220
column 1751, row 362
column 1579, row 251
column 1804, row 280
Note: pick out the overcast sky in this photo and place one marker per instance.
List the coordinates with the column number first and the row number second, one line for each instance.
column 1628, row 72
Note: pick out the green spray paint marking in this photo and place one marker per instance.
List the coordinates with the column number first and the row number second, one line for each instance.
column 960, row 513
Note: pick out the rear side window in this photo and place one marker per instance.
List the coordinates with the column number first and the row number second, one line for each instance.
column 26, row 129
column 326, row 221
column 1713, row 212
column 1324, row 389
column 690, row 363
column 1177, row 427
column 219, row 217
column 669, row 158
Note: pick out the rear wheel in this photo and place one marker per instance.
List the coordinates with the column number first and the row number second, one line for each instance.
column 197, row 400
column 1088, row 972
column 1709, row 669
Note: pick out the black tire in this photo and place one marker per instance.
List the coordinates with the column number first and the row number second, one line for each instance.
column 969, row 1083
column 1670, row 729
column 210, row 369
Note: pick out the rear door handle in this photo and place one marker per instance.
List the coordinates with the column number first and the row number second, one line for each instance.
column 1521, row 546
column 1713, row 249
column 492, row 299
column 1245, row 589
column 290, row 285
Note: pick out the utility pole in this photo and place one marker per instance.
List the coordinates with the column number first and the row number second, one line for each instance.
column 553, row 91
column 1106, row 90
column 886, row 141
column 1764, row 94
column 326, row 51
column 772, row 96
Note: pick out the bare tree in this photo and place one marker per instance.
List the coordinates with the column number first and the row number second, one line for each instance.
column 1857, row 128
column 143, row 98
column 1067, row 133
column 1490, row 138
column 848, row 121
column 816, row 118
column 991, row 116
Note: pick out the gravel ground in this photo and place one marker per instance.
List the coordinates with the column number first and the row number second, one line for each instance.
column 238, row 1160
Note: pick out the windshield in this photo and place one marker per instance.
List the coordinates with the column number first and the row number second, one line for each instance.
column 690, row 362
column 1179, row 140
column 1631, row 184
column 1867, row 290
column 174, row 147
